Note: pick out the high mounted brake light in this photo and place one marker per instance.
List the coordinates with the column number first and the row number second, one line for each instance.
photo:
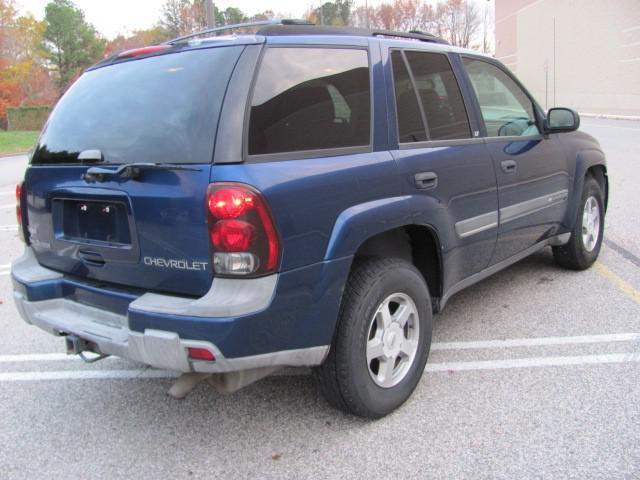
column 136, row 52
column 242, row 233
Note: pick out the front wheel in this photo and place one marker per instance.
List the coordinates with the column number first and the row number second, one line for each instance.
column 382, row 339
column 586, row 238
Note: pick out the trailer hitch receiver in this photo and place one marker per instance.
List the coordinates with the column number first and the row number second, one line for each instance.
column 79, row 346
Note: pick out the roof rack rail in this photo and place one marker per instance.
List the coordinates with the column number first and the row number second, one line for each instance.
column 412, row 35
column 276, row 29
column 261, row 23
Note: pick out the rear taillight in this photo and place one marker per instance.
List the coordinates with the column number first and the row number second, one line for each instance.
column 243, row 236
column 19, row 188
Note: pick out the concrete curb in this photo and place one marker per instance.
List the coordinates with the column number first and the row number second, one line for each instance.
column 17, row 154
column 610, row 117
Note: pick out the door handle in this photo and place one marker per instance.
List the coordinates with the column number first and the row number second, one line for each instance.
column 426, row 180
column 92, row 258
column 509, row 166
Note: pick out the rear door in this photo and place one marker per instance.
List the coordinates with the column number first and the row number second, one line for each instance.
column 442, row 162
column 532, row 170
column 145, row 227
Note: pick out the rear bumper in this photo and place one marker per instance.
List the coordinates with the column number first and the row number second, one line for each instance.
column 289, row 325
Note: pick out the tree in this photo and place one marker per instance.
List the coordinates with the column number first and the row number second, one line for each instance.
column 401, row 15
column 9, row 91
column 24, row 79
column 180, row 17
column 230, row 16
column 458, row 21
column 337, row 12
column 386, row 17
column 8, row 13
column 488, row 24
column 71, row 43
column 364, row 17
column 139, row 38
column 266, row 15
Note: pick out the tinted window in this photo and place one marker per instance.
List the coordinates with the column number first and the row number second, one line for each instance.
column 440, row 95
column 158, row 109
column 310, row 99
column 410, row 125
column 506, row 109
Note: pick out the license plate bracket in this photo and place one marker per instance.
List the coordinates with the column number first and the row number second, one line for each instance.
column 95, row 222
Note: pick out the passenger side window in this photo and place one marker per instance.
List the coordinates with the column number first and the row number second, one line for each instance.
column 310, row 99
column 506, row 108
column 410, row 125
column 439, row 96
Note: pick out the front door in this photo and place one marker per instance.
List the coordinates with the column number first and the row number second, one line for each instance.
column 531, row 169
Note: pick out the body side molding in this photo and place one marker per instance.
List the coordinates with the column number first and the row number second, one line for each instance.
column 534, row 205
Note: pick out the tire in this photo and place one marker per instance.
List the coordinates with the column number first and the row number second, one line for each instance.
column 582, row 250
column 375, row 388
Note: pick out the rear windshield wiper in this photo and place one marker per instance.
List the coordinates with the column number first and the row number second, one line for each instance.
column 129, row 171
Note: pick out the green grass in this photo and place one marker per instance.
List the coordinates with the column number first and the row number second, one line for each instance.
column 16, row 142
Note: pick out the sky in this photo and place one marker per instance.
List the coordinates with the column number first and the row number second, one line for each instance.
column 112, row 17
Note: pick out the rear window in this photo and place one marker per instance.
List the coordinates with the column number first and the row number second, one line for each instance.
column 438, row 93
column 161, row 109
column 310, row 99
column 410, row 125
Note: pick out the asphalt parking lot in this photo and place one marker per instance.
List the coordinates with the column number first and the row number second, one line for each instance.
column 534, row 373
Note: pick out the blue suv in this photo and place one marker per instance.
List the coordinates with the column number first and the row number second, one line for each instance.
column 224, row 206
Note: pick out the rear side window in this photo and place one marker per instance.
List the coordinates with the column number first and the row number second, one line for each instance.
column 161, row 109
column 439, row 95
column 410, row 125
column 506, row 108
column 310, row 99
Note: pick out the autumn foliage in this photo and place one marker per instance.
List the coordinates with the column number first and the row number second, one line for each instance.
column 460, row 22
column 24, row 79
column 40, row 59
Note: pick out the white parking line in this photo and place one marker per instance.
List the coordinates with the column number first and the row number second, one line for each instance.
column 8, row 228
column 39, row 357
column 537, row 342
column 534, row 362
column 10, row 192
column 6, row 207
column 85, row 375
column 486, row 344
column 531, row 362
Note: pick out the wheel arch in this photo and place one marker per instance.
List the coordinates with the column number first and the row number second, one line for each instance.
column 588, row 162
column 599, row 172
column 416, row 244
column 388, row 228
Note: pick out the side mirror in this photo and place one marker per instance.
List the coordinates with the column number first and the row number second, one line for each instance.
column 562, row 120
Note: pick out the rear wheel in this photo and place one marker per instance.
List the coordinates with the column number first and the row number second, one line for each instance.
column 382, row 339
column 586, row 238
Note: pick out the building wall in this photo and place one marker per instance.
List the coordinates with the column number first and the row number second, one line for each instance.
column 583, row 54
